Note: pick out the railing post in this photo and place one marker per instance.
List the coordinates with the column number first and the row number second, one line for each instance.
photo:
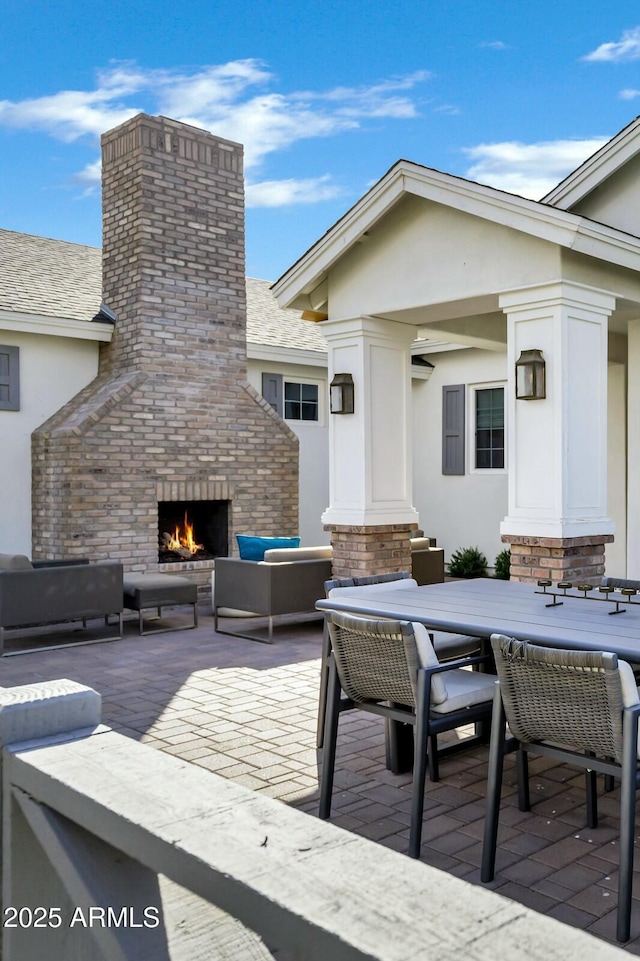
column 50, row 711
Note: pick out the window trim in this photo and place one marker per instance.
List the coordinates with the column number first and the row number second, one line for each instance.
column 13, row 378
column 298, row 382
column 471, row 420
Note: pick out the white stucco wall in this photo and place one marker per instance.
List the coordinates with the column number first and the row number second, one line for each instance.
column 52, row 370
column 466, row 510
column 314, row 446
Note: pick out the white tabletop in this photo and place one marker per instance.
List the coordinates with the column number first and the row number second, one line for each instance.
column 484, row 606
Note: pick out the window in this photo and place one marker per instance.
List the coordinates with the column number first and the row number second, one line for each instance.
column 291, row 399
column 9, row 378
column 300, row 401
column 489, row 428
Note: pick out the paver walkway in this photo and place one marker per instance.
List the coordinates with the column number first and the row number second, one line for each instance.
column 247, row 711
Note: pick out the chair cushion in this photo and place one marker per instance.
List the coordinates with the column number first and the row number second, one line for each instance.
column 282, row 555
column 15, row 562
column 449, row 646
column 427, row 657
column 253, row 548
column 401, row 583
column 420, row 543
column 465, row 688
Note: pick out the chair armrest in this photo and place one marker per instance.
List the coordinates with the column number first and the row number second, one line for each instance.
column 67, row 562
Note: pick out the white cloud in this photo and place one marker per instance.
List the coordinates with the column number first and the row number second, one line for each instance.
column 235, row 100
column 495, row 45
column 529, row 170
column 629, row 94
column 627, row 48
column 282, row 193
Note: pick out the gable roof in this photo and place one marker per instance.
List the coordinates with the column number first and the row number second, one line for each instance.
column 41, row 277
column 597, row 168
column 304, row 285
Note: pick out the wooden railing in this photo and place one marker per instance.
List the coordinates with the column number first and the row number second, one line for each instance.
column 113, row 850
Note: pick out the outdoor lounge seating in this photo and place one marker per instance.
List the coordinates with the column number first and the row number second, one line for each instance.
column 287, row 581
column 46, row 593
column 144, row 591
column 586, row 701
column 389, row 668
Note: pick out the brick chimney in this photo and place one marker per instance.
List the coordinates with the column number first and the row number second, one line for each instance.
column 170, row 416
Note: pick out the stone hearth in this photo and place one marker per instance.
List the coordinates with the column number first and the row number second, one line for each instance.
column 170, row 416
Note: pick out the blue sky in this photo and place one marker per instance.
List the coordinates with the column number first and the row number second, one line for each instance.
column 325, row 95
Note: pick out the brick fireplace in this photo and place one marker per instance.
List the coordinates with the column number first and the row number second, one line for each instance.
column 170, row 421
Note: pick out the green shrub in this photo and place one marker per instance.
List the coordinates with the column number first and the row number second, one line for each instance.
column 502, row 565
column 468, row 562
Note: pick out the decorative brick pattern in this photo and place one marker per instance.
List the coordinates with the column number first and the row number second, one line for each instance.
column 363, row 551
column 171, row 409
column 557, row 558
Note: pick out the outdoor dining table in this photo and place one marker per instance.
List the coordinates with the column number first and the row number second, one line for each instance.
column 483, row 606
column 552, row 616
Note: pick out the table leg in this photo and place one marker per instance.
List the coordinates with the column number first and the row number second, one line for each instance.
column 399, row 746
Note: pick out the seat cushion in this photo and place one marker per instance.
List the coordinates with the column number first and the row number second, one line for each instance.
column 365, row 589
column 15, row 562
column 448, row 646
column 253, row 548
column 465, row 688
column 156, row 590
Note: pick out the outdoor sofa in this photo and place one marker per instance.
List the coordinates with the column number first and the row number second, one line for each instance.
column 291, row 580
column 52, row 592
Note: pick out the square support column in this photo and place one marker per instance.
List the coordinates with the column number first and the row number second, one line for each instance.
column 557, row 521
column 370, row 513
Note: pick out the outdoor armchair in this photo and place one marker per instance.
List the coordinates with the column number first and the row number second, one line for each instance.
column 389, row 668
column 586, row 701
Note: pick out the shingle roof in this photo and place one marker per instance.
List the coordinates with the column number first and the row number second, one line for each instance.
column 271, row 325
column 53, row 278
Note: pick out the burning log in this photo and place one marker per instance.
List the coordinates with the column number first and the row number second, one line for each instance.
column 170, row 545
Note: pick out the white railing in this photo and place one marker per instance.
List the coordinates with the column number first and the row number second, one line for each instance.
column 113, row 850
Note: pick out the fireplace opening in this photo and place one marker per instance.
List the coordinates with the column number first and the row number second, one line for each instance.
column 192, row 530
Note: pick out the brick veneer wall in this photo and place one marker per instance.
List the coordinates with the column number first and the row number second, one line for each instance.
column 576, row 559
column 171, row 403
column 364, row 551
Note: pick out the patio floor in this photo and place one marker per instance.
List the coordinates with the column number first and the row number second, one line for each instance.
column 247, row 711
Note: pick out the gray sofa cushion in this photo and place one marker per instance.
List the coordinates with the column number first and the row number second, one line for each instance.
column 279, row 555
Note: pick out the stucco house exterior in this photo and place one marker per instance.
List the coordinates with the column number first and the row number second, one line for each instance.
column 429, row 255
column 426, row 291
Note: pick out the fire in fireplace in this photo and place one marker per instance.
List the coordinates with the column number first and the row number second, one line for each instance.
column 192, row 530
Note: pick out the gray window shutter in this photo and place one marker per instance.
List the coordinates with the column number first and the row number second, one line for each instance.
column 9, row 378
column 453, row 429
column 272, row 391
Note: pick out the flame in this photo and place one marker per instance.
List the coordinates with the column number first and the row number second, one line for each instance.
column 183, row 538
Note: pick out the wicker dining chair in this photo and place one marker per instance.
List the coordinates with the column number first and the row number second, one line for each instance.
column 447, row 646
column 578, row 707
column 389, row 668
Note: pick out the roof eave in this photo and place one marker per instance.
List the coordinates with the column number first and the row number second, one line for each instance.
column 540, row 220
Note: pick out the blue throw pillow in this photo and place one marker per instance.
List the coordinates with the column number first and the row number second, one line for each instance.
column 253, row 548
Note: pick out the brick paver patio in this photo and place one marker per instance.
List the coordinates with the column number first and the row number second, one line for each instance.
column 247, row 711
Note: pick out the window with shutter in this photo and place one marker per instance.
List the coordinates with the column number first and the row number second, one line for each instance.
column 9, row 378
column 453, row 429
column 272, row 391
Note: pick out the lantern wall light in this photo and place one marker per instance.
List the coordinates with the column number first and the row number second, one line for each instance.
column 530, row 376
column 341, row 394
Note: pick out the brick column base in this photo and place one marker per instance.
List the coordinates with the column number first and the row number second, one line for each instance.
column 557, row 558
column 364, row 551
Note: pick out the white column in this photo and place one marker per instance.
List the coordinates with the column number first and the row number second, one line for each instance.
column 370, row 468
column 633, row 450
column 557, row 447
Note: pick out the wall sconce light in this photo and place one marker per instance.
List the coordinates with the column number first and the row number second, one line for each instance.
column 341, row 394
column 530, row 376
